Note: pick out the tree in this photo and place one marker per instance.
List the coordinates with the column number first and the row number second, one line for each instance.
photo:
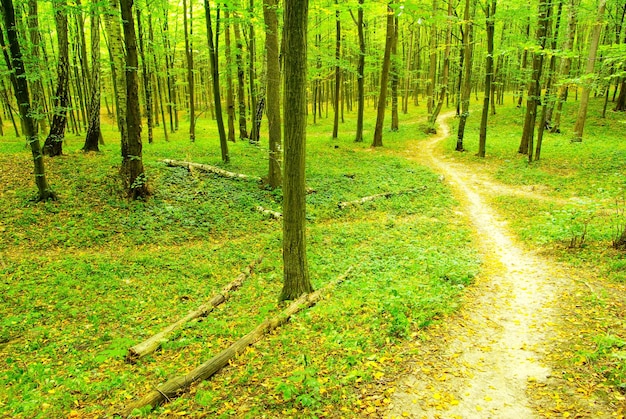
column 213, row 54
column 230, row 100
column 432, row 119
column 490, row 11
column 54, row 143
column 579, row 126
column 93, row 130
column 337, row 70
column 190, row 78
column 360, row 75
column 274, row 177
column 295, row 271
column 384, row 78
column 20, row 86
column 466, row 89
column 132, row 163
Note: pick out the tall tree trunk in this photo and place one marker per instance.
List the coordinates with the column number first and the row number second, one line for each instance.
column 360, row 76
column 534, row 87
column 394, row 79
column 384, row 78
column 37, row 91
column 254, row 132
column 432, row 67
column 16, row 63
column 522, row 70
column 274, row 177
column 213, row 54
column 579, row 126
column 296, row 270
column 490, row 11
column 93, row 129
column 190, row 81
column 443, row 90
column 566, row 64
column 132, row 162
column 337, row 71
column 54, row 143
column 408, row 77
column 155, row 63
column 171, row 78
column 243, row 131
column 147, row 78
column 466, row 90
column 230, row 100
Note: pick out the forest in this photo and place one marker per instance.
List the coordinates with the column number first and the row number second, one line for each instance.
column 328, row 208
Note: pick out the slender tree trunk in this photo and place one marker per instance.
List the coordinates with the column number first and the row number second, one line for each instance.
column 566, row 64
column 446, row 73
column 137, row 182
column 384, row 78
column 254, row 132
column 274, row 177
column 360, row 76
column 160, row 89
column 20, row 85
column 54, row 143
column 230, row 100
column 337, row 71
column 490, row 11
column 243, row 131
column 147, row 79
column 432, row 68
column 190, row 78
column 171, row 79
column 466, row 90
column 93, row 129
column 579, row 126
column 522, row 81
column 296, row 271
column 213, row 54
column 394, row 79
column 38, row 97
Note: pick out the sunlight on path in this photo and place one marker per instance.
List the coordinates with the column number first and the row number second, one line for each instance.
column 480, row 364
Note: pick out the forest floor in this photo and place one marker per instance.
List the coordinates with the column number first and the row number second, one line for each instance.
column 500, row 355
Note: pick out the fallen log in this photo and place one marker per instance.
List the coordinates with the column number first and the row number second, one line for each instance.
column 154, row 342
column 177, row 385
column 269, row 212
column 211, row 169
column 346, row 204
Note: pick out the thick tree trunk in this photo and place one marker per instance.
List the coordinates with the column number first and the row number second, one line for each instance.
column 490, row 11
column 620, row 104
column 213, row 54
column 466, row 89
column 38, row 102
column 54, row 143
column 20, row 85
column 384, row 78
column 93, row 129
column 132, row 164
column 360, row 76
column 274, row 176
column 296, row 270
column 581, row 118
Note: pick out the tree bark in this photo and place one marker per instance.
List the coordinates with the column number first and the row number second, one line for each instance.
column 54, row 143
column 394, row 79
column 20, row 85
column 337, row 71
column 566, row 64
column 360, row 76
column 466, row 89
column 93, row 129
column 490, row 11
column 581, row 118
column 384, row 78
column 255, row 119
column 274, row 176
column 296, row 270
column 243, row 131
column 230, row 100
column 190, row 77
column 213, row 54
column 432, row 120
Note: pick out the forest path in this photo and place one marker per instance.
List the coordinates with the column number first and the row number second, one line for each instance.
column 481, row 362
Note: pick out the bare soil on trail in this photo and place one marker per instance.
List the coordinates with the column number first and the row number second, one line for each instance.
column 490, row 359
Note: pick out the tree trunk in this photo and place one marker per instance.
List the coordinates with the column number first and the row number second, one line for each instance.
column 384, row 78
column 243, row 132
column 155, row 63
column 38, row 102
column 190, row 81
column 466, row 89
column 579, row 126
column 296, row 270
column 566, row 64
column 255, row 119
column 490, row 11
column 274, row 176
column 360, row 76
column 432, row 67
column 132, row 163
column 230, row 100
column 523, row 70
column 620, row 104
column 213, row 54
column 93, row 129
column 394, row 79
column 147, row 78
column 54, row 143
column 443, row 90
column 337, row 72
column 20, row 85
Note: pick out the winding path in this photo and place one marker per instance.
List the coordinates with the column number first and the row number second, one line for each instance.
column 480, row 364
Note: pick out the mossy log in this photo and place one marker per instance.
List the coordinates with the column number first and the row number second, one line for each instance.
column 211, row 169
column 153, row 343
column 347, row 204
column 178, row 385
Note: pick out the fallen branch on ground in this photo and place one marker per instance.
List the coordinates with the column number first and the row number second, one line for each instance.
column 153, row 343
column 175, row 386
column 211, row 169
column 272, row 214
column 346, row 204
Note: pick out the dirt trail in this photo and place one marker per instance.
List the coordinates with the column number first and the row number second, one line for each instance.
column 481, row 362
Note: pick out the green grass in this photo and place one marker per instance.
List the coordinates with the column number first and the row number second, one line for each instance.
column 87, row 276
